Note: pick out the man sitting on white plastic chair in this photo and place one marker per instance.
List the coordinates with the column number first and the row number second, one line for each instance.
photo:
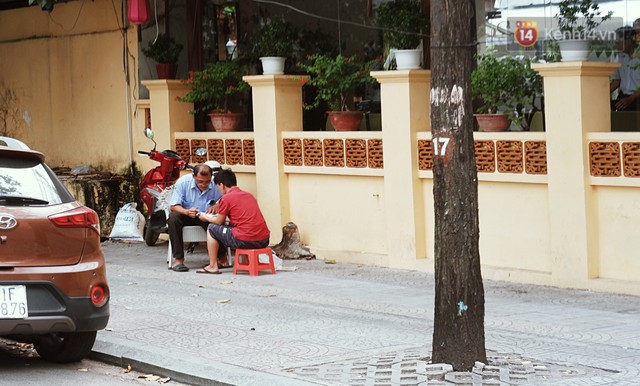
column 192, row 194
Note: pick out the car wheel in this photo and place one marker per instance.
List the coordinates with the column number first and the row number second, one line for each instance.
column 150, row 236
column 65, row 347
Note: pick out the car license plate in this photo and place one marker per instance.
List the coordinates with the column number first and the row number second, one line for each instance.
column 13, row 302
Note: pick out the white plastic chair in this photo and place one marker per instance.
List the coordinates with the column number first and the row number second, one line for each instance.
column 190, row 234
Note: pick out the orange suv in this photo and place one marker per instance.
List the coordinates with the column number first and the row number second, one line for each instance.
column 53, row 283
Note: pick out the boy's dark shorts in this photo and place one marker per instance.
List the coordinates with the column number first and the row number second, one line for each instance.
column 223, row 234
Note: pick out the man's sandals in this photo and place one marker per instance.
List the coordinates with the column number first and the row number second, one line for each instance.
column 179, row 268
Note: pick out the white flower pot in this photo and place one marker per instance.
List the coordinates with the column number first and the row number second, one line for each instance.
column 408, row 59
column 272, row 65
column 574, row 49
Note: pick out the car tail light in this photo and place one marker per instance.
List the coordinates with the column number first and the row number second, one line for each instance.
column 98, row 296
column 77, row 218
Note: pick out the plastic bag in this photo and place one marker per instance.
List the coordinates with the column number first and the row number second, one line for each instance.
column 129, row 224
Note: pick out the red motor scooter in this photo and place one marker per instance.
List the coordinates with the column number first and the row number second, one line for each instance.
column 155, row 188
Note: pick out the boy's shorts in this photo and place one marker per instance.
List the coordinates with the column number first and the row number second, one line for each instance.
column 223, row 234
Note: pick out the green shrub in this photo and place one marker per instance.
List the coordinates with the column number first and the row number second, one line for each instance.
column 215, row 88
column 164, row 50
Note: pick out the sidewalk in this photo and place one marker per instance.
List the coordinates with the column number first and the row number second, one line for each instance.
column 347, row 324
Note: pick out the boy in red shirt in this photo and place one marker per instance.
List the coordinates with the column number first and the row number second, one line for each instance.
column 248, row 230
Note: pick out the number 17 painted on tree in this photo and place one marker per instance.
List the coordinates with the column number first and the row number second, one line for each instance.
column 440, row 146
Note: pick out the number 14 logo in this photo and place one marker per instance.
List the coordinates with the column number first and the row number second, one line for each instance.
column 526, row 33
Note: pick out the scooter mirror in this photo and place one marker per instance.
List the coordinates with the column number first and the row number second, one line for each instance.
column 201, row 151
column 148, row 133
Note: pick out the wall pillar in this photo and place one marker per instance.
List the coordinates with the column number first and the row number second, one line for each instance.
column 168, row 115
column 576, row 103
column 405, row 111
column 277, row 107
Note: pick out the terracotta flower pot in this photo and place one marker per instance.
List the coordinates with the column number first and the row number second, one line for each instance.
column 345, row 120
column 493, row 122
column 166, row 71
column 225, row 121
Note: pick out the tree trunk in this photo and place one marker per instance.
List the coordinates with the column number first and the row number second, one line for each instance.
column 458, row 334
column 291, row 247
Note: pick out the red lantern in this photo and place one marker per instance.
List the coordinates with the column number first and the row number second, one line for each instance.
column 138, row 11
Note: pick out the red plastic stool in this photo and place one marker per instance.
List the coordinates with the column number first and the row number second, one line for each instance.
column 252, row 264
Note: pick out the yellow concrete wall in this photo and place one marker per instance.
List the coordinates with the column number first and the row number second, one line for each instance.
column 67, row 70
column 340, row 210
column 618, row 212
column 514, row 226
column 565, row 228
column 560, row 227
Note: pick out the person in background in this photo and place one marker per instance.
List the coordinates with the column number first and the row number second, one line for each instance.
column 247, row 228
column 636, row 27
column 626, row 78
column 192, row 194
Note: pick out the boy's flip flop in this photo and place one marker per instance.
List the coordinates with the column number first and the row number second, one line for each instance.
column 205, row 270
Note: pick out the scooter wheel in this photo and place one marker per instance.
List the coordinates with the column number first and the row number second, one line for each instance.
column 150, row 236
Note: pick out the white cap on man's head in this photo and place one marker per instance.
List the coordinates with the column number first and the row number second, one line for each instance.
column 214, row 165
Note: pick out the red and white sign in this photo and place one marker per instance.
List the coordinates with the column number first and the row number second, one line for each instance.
column 526, row 33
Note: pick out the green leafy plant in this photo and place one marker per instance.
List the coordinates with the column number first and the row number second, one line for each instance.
column 551, row 51
column 578, row 18
column 164, row 50
column 215, row 88
column 504, row 85
column 336, row 79
column 403, row 22
column 276, row 37
column 46, row 5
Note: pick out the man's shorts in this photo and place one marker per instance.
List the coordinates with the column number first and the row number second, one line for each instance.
column 223, row 234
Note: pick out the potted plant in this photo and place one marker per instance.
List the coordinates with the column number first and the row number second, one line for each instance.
column 502, row 87
column 165, row 51
column 337, row 79
column 403, row 23
column 215, row 91
column 273, row 42
column 577, row 19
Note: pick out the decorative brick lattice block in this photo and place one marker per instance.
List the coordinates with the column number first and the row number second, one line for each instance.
column 195, row 145
column 509, row 156
column 233, row 150
column 604, row 159
column 333, row 152
column 182, row 148
column 631, row 159
column 535, row 157
column 374, row 151
column 312, row 152
column 249, row 152
column 425, row 154
column 292, row 150
column 485, row 156
column 216, row 150
column 356, row 153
